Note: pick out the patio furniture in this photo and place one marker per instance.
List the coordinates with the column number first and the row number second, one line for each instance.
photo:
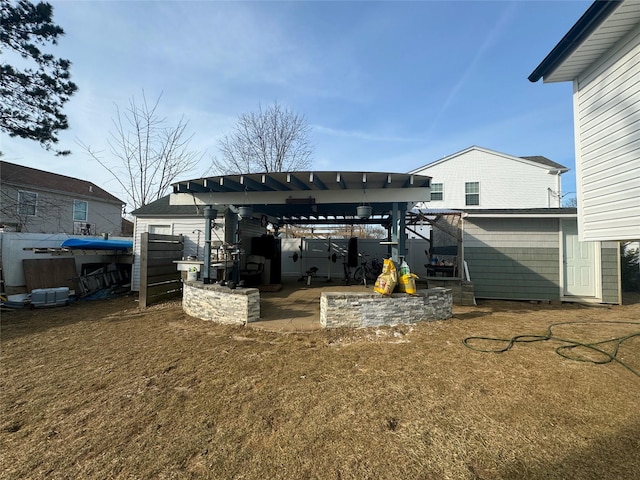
column 252, row 272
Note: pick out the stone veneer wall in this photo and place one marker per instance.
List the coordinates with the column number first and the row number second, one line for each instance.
column 461, row 290
column 344, row 309
column 221, row 304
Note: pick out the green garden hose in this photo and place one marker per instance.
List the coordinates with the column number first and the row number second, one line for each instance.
column 569, row 345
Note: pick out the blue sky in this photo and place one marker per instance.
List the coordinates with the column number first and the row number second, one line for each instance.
column 385, row 86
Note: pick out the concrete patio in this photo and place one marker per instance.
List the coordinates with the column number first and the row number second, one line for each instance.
column 296, row 306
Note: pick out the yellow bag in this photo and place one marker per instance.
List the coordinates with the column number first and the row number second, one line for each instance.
column 388, row 279
column 407, row 283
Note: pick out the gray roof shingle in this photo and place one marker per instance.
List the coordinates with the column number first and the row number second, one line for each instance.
column 161, row 207
column 545, row 161
column 27, row 177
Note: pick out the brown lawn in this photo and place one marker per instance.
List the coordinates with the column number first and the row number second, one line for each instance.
column 104, row 390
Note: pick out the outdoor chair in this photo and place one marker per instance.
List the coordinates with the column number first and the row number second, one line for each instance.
column 252, row 272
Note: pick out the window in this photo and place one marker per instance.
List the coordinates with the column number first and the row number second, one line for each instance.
column 437, row 191
column 27, row 202
column 80, row 211
column 160, row 229
column 472, row 193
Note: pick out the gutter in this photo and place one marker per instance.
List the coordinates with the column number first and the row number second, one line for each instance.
column 585, row 26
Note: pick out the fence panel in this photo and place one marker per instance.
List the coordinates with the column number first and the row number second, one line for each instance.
column 159, row 276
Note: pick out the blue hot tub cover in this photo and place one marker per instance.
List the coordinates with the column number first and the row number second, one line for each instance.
column 97, row 244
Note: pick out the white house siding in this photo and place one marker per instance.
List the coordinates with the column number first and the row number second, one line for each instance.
column 505, row 181
column 607, row 106
column 178, row 226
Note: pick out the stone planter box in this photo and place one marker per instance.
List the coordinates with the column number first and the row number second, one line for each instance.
column 357, row 310
column 221, row 304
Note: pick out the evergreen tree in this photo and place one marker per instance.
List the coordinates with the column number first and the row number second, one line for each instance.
column 32, row 97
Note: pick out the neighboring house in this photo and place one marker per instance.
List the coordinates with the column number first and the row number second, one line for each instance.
column 516, row 242
column 127, row 228
column 535, row 254
column 36, row 201
column 481, row 178
column 601, row 56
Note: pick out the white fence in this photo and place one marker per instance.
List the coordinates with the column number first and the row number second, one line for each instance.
column 319, row 253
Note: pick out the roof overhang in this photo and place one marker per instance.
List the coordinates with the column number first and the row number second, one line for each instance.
column 308, row 197
column 598, row 30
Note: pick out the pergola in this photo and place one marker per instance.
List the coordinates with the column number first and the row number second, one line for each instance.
column 309, row 197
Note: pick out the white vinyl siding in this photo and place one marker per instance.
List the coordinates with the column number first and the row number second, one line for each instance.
column 607, row 105
column 506, row 181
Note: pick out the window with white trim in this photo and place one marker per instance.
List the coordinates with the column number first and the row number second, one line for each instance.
column 160, row 229
column 27, row 202
column 437, row 192
column 472, row 193
column 80, row 210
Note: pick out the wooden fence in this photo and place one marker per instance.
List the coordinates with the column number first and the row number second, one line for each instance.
column 159, row 275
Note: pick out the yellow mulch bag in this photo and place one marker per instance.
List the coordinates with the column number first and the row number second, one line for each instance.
column 388, row 279
column 407, row 283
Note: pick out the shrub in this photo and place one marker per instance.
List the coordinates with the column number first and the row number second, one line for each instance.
column 630, row 270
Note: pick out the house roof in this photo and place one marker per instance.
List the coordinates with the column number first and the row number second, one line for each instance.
column 537, row 159
column 162, row 208
column 27, row 177
column 545, row 161
column 597, row 31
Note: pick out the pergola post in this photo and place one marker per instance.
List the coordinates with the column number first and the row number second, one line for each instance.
column 398, row 235
column 210, row 215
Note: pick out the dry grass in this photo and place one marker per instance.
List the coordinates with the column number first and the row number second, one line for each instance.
column 103, row 390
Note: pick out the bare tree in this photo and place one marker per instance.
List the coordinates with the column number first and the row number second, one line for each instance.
column 274, row 139
column 571, row 202
column 149, row 155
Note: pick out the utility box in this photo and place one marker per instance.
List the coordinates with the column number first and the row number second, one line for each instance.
column 49, row 297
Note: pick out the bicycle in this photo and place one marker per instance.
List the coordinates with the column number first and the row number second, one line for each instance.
column 367, row 272
column 347, row 272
